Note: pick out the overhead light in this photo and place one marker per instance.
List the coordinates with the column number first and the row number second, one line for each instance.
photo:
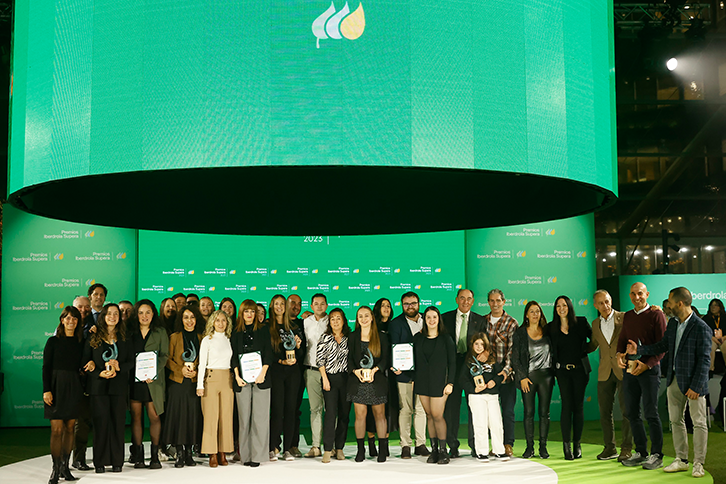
column 658, row 251
column 612, row 254
column 671, row 65
column 709, row 247
column 604, row 260
column 684, row 249
column 646, row 257
column 637, row 252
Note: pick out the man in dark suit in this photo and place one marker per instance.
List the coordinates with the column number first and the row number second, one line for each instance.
column 688, row 342
column 84, row 422
column 401, row 330
column 461, row 324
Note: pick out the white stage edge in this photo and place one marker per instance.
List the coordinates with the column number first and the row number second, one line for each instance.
column 302, row 471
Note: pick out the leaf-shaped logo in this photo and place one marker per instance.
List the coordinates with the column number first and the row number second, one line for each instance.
column 354, row 24
column 332, row 28
column 319, row 24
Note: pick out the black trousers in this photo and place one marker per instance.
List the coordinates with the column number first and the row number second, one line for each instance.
column 109, row 421
column 452, row 413
column 572, row 391
column 336, row 408
column 286, row 381
column 542, row 384
column 84, row 423
column 507, row 400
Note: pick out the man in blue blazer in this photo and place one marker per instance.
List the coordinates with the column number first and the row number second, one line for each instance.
column 688, row 342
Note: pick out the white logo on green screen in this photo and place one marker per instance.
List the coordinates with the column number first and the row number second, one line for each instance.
column 336, row 25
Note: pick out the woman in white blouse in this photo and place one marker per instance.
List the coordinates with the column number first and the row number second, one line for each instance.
column 214, row 385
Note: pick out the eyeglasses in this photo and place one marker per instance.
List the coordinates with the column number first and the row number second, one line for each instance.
column 408, row 305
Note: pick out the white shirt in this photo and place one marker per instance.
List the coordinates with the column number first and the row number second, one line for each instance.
column 215, row 353
column 647, row 306
column 459, row 314
column 493, row 320
column 607, row 326
column 416, row 326
column 314, row 329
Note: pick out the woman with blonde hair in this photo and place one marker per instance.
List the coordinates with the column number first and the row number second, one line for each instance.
column 215, row 387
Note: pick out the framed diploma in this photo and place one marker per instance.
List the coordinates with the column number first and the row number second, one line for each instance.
column 402, row 356
column 145, row 366
column 251, row 366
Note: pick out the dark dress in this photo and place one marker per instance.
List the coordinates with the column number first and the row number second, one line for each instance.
column 183, row 422
column 62, row 361
column 376, row 392
column 434, row 362
column 139, row 389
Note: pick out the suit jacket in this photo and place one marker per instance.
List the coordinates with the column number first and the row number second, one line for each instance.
column 476, row 324
column 608, row 351
column 175, row 362
column 158, row 341
column 400, row 332
column 118, row 385
column 693, row 358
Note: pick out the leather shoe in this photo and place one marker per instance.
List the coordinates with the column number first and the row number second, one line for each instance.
column 454, row 453
column 100, row 470
column 81, row 466
column 508, row 450
column 624, row 455
column 116, row 469
column 222, row 459
column 405, row 452
column 213, row 460
column 421, row 450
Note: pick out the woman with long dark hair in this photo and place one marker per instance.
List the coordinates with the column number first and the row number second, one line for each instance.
column 167, row 315
column 228, row 306
column 533, row 373
column 332, row 362
column 147, row 335
column 383, row 314
column 113, row 358
column 569, row 336
column 206, row 307
column 253, row 397
column 183, row 422
column 288, row 347
column 368, row 353
column 62, row 388
column 434, row 356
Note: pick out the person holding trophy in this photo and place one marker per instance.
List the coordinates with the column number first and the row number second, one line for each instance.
column 183, row 423
column 215, row 388
column 288, row 348
column 434, row 356
column 112, row 358
column 369, row 352
column 251, row 357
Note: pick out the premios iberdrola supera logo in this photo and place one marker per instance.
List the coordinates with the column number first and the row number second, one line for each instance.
column 336, row 25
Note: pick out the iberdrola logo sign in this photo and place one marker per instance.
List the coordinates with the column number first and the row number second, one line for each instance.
column 336, row 25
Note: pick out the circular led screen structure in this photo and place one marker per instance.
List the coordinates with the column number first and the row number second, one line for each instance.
column 312, row 116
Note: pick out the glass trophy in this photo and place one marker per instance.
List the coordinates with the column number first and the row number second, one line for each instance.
column 633, row 360
column 477, row 370
column 288, row 342
column 366, row 364
column 189, row 357
column 110, row 354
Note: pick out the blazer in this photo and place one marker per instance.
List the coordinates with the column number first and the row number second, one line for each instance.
column 260, row 342
column 118, row 385
column 400, row 332
column 693, row 359
column 380, row 382
column 158, row 341
column 174, row 362
column 608, row 351
column 582, row 331
column 520, row 353
column 432, row 374
column 476, row 324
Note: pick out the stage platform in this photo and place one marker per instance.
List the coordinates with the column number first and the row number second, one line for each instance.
column 395, row 470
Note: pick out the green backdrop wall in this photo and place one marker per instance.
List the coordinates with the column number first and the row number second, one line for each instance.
column 46, row 263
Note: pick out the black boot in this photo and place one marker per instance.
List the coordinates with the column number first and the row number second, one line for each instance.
column 544, row 429
column 372, row 447
column 132, row 454
column 55, row 473
column 65, row 470
column 361, row 455
column 443, row 455
column 180, row 456
column 576, row 450
column 382, row 449
column 567, row 449
column 434, row 456
column 139, row 464
column 529, row 451
column 529, row 437
column 155, row 464
column 188, row 458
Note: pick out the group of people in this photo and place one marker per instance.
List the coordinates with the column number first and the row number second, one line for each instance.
column 231, row 381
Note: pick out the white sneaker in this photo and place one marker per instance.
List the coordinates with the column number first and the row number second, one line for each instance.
column 698, row 470
column 676, row 466
column 273, row 456
column 288, row 456
column 652, row 462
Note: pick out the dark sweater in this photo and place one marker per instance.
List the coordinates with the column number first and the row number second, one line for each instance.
column 61, row 354
column 647, row 328
column 466, row 381
column 570, row 348
column 118, row 385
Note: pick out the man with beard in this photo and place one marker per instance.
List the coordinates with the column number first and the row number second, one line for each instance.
column 127, row 311
column 401, row 330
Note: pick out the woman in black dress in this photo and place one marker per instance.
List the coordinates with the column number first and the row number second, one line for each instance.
column 366, row 343
column 183, row 423
column 434, row 356
column 62, row 389
column 570, row 336
column 113, row 359
column 147, row 335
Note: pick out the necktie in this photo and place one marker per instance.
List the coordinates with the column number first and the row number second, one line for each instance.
column 461, row 343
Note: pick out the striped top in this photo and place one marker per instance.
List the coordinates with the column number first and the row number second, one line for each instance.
column 331, row 355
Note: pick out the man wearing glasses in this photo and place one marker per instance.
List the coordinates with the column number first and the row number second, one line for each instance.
column 401, row 330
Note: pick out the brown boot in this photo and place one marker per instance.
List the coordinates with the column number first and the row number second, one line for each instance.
column 222, row 459
column 213, row 460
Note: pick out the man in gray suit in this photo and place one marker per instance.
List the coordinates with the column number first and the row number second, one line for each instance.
column 605, row 332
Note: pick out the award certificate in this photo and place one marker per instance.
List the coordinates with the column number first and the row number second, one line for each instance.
column 145, row 366
column 402, row 356
column 251, row 366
